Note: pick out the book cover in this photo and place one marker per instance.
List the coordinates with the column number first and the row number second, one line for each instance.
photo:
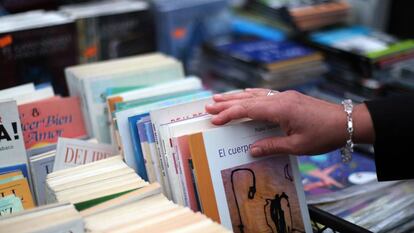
column 43, row 122
column 95, row 87
column 188, row 84
column 243, row 193
column 263, row 52
column 326, row 179
column 12, row 92
column 142, row 162
column 10, row 176
column 183, row 26
column 12, row 150
column 38, row 54
column 74, row 152
column 39, row 168
column 19, row 188
column 112, row 29
column 9, row 205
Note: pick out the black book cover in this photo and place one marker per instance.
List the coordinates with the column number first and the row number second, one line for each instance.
column 38, row 55
column 117, row 35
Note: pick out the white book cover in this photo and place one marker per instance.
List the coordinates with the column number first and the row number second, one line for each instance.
column 39, row 168
column 12, row 92
column 74, row 152
column 75, row 75
column 12, row 150
column 245, row 193
column 37, row 95
column 167, row 116
column 95, row 88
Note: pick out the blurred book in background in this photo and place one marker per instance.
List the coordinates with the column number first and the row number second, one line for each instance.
column 111, row 29
column 35, row 47
column 302, row 15
column 182, row 25
column 262, row 63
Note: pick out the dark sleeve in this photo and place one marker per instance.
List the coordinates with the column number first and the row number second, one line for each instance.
column 393, row 120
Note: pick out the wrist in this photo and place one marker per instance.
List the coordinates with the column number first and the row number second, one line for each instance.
column 363, row 126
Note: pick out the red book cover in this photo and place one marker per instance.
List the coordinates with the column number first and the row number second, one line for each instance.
column 43, row 122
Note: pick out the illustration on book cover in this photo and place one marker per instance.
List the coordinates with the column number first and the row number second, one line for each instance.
column 262, row 198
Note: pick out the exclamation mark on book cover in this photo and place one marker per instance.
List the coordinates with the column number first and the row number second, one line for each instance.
column 14, row 125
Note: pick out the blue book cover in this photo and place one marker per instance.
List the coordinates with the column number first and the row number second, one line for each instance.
column 264, row 51
column 18, row 167
column 243, row 26
column 326, row 174
column 136, row 142
column 183, row 25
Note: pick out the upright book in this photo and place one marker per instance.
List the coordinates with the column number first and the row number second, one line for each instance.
column 111, row 29
column 91, row 81
column 44, row 121
column 12, row 150
column 244, row 193
column 74, row 152
column 36, row 47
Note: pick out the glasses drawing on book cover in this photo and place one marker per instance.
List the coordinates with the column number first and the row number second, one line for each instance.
column 258, row 203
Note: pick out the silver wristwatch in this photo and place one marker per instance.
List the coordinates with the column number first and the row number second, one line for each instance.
column 346, row 151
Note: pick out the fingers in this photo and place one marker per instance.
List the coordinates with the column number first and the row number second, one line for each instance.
column 247, row 93
column 273, row 145
column 218, row 107
column 232, row 113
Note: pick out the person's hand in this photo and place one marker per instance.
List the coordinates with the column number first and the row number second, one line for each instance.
column 312, row 126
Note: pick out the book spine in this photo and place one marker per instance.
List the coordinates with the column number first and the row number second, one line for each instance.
column 172, row 171
column 136, row 143
column 166, row 184
column 151, row 152
column 179, row 166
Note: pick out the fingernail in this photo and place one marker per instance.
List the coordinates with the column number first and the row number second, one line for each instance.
column 248, row 89
column 256, row 151
column 209, row 105
column 217, row 96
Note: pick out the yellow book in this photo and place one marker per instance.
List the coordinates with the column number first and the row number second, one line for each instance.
column 10, row 174
column 19, row 188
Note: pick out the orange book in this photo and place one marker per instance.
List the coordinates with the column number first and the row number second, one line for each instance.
column 19, row 188
column 203, row 177
column 44, row 121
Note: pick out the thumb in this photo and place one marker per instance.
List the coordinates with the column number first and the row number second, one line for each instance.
column 273, row 145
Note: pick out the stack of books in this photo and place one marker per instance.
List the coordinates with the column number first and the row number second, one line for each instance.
column 303, row 15
column 52, row 218
column 92, row 182
column 262, row 63
column 146, row 210
column 362, row 50
column 111, row 29
column 364, row 63
column 69, row 153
